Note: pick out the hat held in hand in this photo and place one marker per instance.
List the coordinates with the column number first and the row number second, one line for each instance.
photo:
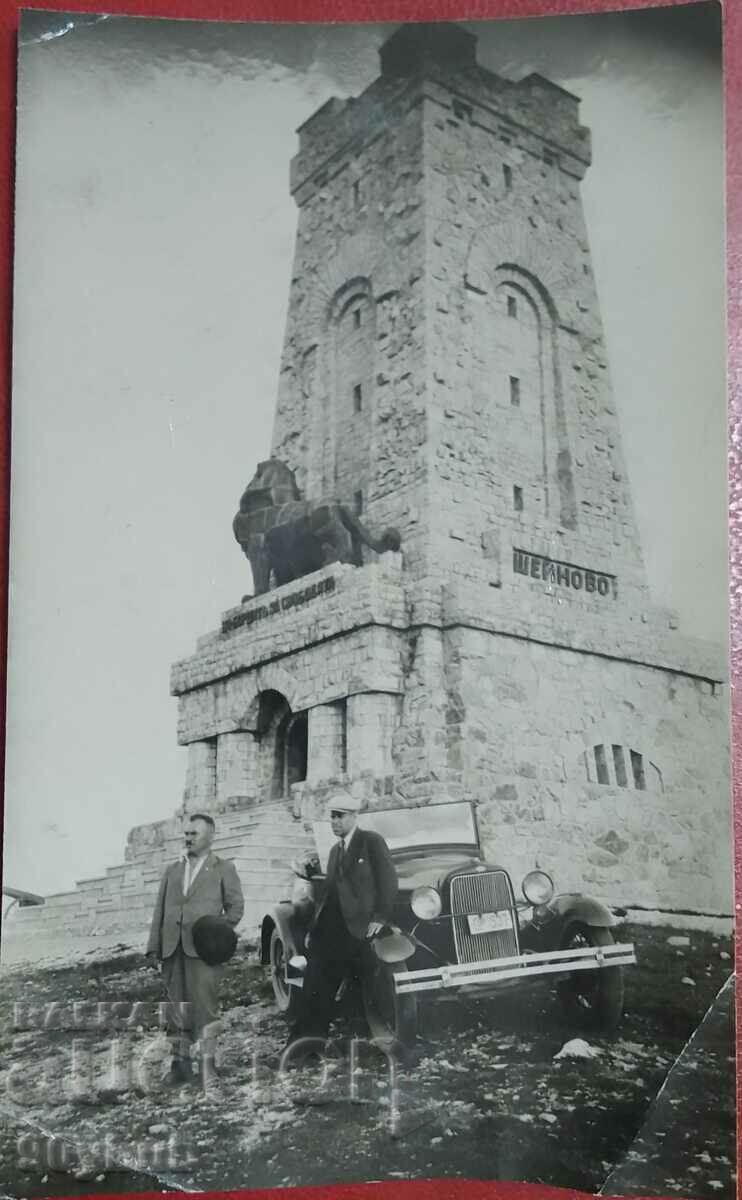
column 215, row 940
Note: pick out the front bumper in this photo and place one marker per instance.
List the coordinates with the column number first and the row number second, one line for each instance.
column 520, row 966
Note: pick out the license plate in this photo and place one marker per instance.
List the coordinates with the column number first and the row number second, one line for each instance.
column 494, row 922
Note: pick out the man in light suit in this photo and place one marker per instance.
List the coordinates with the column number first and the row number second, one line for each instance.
column 360, row 895
column 199, row 885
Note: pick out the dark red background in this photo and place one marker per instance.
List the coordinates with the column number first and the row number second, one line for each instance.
column 415, row 10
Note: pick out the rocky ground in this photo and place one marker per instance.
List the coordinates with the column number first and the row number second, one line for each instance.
column 491, row 1096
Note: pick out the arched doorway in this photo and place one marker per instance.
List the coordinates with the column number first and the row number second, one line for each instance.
column 284, row 744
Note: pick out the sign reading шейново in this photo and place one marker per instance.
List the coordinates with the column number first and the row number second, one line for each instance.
column 536, row 566
column 273, row 607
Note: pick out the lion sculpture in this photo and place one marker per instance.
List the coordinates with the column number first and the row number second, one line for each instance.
column 285, row 537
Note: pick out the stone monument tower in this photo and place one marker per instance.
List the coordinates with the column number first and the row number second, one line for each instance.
column 444, row 375
column 444, row 389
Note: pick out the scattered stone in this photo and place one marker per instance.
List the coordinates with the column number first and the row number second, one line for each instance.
column 678, row 940
column 688, row 981
column 548, row 1116
column 578, row 1048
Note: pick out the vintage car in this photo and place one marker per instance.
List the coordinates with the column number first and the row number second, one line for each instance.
column 458, row 929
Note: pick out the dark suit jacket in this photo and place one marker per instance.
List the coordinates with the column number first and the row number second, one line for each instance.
column 367, row 885
column 215, row 892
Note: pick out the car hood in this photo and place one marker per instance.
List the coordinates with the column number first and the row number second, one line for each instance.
column 431, row 868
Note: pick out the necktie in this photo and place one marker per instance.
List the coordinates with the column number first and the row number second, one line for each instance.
column 341, row 856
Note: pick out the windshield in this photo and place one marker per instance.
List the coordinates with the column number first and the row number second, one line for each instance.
column 429, row 825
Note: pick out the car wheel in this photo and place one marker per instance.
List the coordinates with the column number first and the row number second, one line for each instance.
column 287, row 998
column 391, row 1018
column 592, row 999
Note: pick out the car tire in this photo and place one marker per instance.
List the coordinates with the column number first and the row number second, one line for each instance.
column 287, row 998
column 592, row 999
column 392, row 1019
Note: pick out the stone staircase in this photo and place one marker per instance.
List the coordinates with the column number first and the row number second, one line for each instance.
column 262, row 841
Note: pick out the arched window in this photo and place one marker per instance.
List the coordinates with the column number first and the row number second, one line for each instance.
column 352, row 352
column 516, row 380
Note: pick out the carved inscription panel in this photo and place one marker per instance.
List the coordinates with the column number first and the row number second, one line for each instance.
column 564, row 575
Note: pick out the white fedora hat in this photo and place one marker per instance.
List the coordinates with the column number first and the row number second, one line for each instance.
column 344, row 802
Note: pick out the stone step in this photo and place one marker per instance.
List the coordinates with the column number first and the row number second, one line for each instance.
column 261, row 841
column 272, row 829
column 261, row 838
column 275, row 856
column 237, row 829
column 264, row 879
column 279, row 854
column 91, row 885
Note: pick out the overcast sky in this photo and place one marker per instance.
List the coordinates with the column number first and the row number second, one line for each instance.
column 153, row 255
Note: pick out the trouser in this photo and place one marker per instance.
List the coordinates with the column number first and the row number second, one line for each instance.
column 193, row 991
column 333, row 954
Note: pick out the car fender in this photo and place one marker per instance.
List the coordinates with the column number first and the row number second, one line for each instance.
column 282, row 918
column 572, row 908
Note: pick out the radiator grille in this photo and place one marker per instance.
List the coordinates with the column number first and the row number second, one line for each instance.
column 483, row 892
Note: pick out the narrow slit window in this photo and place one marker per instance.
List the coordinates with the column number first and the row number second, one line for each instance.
column 512, row 306
column 548, row 158
column 356, row 318
column 601, row 766
column 515, row 391
column 358, row 503
column 518, row 498
column 356, row 193
column 507, row 175
column 637, row 770
column 357, row 398
column 619, row 766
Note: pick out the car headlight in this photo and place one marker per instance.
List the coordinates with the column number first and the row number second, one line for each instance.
column 538, row 887
column 426, row 903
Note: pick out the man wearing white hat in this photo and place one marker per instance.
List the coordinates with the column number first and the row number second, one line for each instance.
column 361, row 890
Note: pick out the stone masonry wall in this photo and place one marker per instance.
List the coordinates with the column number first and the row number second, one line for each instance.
column 498, row 695
column 528, row 718
column 519, row 240
column 359, row 251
